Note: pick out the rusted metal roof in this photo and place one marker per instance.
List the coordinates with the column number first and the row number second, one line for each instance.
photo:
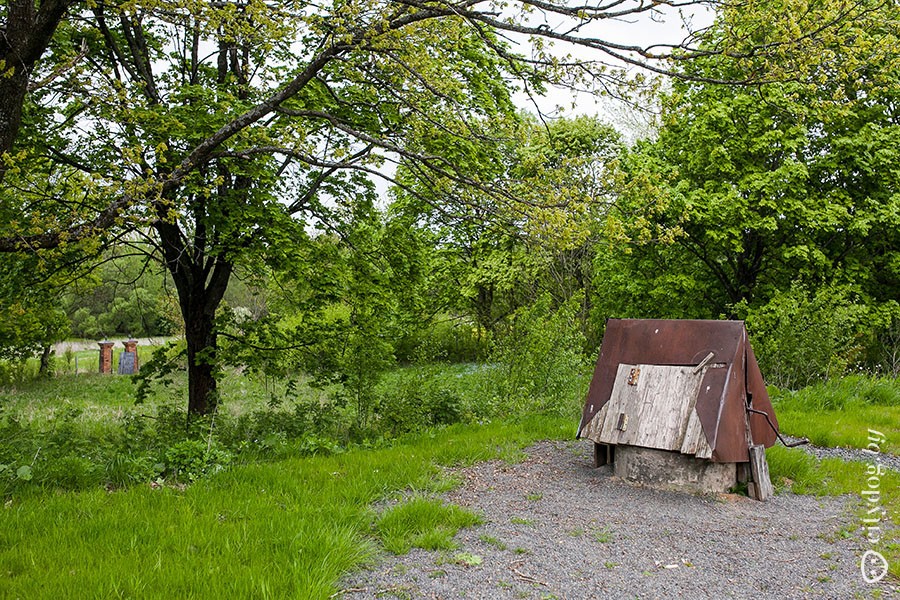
column 727, row 379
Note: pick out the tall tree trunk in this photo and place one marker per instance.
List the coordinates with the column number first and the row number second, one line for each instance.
column 44, row 370
column 199, row 303
column 201, row 282
column 24, row 35
column 200, row 336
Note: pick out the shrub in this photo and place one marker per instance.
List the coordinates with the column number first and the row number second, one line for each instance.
column 540, row 366
column 70, row 472
column 122, row 470
column 189, row 460
column 801, row 336
column 452, row 340
column 414, row 398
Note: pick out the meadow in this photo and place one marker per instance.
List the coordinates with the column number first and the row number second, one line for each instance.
column 276, row 498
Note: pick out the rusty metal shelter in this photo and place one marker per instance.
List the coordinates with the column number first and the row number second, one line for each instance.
column 681, row 386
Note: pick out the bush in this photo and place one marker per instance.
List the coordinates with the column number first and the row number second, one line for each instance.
column 122, row 470
column 801, row 337
column 415, row 398
column 452, row 340
column 540, row 366
column 70, row 472
column 189, row 460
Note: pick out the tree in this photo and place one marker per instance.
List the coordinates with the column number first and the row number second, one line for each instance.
column 755, row 195
column 27, row 31
column 217, row 129
column 495, row 258
column 123, row 295
column 30, row 318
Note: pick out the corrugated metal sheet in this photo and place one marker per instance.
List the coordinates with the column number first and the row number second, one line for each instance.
column 723, row 386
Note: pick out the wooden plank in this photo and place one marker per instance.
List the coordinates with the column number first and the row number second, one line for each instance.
column 631, row 403
column 759, row 470
column 670, row 395
column 609, row 433
column 658, row 407
column 693, row 434
column 658, row 411
column 594, row 428
column 704, row 450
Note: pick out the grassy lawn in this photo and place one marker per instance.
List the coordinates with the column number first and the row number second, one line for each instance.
column 97, row 397
column 284, row 529
column 291, row 526
column 841, row 412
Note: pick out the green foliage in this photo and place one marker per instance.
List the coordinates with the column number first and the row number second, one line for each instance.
column 88, row 423
column 30, row 317
column 845, row 392
column 539, row 365
column 167, row 362
column 802, row 336
column 422, row 523
column 774, row 202
column 450, row 340
column 123, row 296
column 493, row 256
column 189, row 460
column 425, row 396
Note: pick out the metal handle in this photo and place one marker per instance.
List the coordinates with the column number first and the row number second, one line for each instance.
column 799, row 442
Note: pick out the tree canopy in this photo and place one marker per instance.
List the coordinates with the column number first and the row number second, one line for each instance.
column 222, row 132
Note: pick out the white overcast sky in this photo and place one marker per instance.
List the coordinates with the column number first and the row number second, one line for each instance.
column 669, row 28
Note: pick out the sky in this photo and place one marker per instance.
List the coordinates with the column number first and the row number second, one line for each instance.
column 669, row 27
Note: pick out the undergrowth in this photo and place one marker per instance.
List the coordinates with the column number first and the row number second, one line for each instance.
column 286, row 529
column 77, row 432
column 840, row 412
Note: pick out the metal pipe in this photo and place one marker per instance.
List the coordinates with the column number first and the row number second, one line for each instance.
column 799, row 442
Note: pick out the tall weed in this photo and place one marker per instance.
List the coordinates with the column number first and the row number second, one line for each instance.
column 539, row 362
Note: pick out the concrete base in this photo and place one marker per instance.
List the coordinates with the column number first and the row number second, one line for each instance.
column 663, row 468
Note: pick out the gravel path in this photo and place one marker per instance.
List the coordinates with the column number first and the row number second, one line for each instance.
column 891, row 461
column 59, row 349
column 557, row 528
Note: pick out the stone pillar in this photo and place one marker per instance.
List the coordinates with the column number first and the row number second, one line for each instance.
column 128, row 360
column 106, row 354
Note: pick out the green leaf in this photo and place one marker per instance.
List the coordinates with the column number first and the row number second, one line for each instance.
column 24, row 473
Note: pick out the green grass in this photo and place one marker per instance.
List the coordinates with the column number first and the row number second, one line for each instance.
column 491, row 540
column 282, row 529
column 422, row 522
column 99, row 397
column 291, row 527
column 603, row 536
column 840, row 412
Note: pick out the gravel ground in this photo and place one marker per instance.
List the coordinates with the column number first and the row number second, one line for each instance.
column 890, row 461
column 60, row 348
column 557, row 528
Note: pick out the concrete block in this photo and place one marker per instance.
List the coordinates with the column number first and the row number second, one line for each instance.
column 663, row 468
